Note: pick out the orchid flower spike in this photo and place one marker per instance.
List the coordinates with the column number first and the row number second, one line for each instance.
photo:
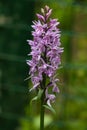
column 45, row 52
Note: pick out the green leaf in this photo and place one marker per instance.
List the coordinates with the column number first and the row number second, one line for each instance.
column 50, row 108
column 40, row 92
column 33, row 99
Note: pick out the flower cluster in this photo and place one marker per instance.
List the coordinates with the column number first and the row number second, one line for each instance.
column 45, row 52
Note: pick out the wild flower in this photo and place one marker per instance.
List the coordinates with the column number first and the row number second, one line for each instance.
column 45, row 53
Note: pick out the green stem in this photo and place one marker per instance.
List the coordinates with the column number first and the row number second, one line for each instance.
column 43, row 84
column 42, row 112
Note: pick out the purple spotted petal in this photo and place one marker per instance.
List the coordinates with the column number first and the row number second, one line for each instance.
column 45, row 53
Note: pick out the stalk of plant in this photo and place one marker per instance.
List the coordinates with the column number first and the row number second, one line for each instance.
column 45, row 53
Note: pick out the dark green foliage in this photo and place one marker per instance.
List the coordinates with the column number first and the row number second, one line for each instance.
column 15, row 17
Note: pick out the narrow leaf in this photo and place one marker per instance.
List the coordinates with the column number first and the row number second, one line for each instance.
column 50, row 108
column 33, row 99
column 40, row 92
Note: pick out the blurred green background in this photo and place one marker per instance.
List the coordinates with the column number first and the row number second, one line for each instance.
column 15, row 28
